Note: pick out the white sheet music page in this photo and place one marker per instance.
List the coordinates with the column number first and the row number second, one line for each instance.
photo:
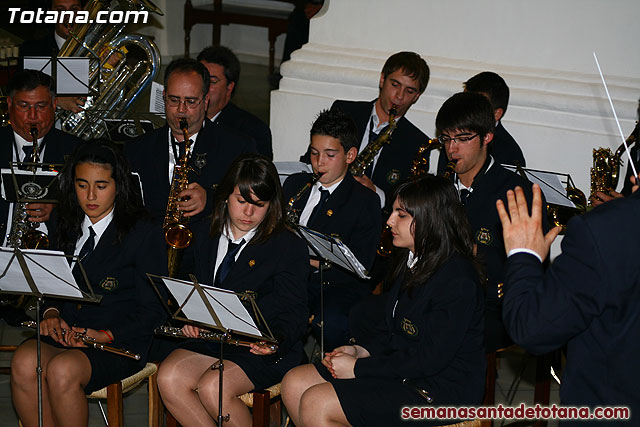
column 227, row 306
column 49, row 269
column 550, row 184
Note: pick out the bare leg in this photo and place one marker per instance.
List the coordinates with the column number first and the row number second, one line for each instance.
column 236, row 383
column 178, row 381
column 24, row 383
column 68, row 374
column 319, row 406
column 295, row 383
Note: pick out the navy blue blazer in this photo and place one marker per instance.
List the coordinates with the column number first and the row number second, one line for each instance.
column 216, row 147
column 588, row 299
column 396, row 158
column 57, row 146
column 130, row 307
column 354, row 217
column 635, row 155
column 276, row 270
column 249, row 125
column 435, row 338
column 504, row 149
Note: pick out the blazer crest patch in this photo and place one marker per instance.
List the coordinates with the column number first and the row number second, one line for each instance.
column 200, row 161
column 484, row 236
column 330, row 212
column 408, row 327
column 393, row 176
column 109, row 284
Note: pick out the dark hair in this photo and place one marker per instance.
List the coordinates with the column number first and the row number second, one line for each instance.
column 440, row 227
column 224, row 57
column 493, row 86
column 411, row 64
column 28, row 80
column 127, row 205
column 250, row 172
column 466, row 111
column 336, row 124
column 188, row 65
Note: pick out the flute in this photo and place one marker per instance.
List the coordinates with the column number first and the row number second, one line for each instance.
column 172, row 331
column 89, row 341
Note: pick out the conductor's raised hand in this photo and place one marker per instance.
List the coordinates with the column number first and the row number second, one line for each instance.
column 522, row 230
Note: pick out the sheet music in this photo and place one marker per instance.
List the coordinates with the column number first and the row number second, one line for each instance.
column 285, row 169
column 227, row 306
column 56, row 279
column 156, row 100
column 323, row 247
column 552, row 188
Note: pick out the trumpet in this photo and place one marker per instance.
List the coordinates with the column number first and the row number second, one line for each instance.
column 172, row 331
column 176, row 233
column 89, row 341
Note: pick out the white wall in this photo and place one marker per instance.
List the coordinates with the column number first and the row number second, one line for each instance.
column 558, row 109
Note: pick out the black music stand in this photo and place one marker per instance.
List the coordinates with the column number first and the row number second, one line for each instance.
column 330, row 250
column 214, row 308
column 41, row 273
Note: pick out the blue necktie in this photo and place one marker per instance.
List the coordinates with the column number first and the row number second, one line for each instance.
column 28, row 151
column 324, row 196
column 464, row 195
column 227, row 262
column 85, row 251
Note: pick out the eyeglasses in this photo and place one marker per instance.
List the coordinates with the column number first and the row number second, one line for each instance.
column 460, row 139
column 23, row 107
column 191, row 103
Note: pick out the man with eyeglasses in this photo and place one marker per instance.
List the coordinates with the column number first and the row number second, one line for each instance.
column 214, row 146
column 32, row 104
column 224, row 69
column 465, row 125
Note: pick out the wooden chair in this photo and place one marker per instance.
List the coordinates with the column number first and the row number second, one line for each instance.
column 113, row 394
column 266, row 405
column 542, row 388
column 274, row 20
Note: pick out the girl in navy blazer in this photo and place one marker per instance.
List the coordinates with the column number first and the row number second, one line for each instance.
column 431, row 351
column 248, row 248
column 99, row 218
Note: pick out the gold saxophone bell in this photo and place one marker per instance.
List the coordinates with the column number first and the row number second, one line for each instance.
column 176, row 233
column 368, row 155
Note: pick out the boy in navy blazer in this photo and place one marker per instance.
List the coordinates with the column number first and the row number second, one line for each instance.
column 337, row 205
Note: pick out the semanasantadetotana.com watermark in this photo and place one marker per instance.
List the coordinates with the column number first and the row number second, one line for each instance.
column 43, row 16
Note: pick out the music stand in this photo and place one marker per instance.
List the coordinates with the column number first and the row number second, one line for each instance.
column 330, row 250
column 214, row 308
column 551, row 184
column 41, row 273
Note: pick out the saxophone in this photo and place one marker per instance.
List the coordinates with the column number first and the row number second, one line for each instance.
column 366, row 157
column 606, row 166
column 293, row 215
column 24, row 234
column 176, row 233
column 420, row 164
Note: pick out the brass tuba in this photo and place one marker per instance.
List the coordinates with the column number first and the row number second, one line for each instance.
column 367, row 156
column 123, row 66
column 176, row 233
column 24, row 234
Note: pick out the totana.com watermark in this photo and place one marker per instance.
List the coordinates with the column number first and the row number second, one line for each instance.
column 43, row 16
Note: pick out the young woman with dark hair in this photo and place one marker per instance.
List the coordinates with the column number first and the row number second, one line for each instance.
column 249, row 237
column 433, row 341
column 100, row 218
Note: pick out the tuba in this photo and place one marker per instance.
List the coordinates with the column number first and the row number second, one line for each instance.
column 24, row 234
column 122, row 66
column 176, row 233
column 366, row 157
